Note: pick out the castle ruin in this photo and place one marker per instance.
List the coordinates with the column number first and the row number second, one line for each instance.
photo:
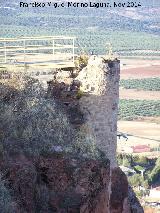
column 98, row 101
column 100, row 79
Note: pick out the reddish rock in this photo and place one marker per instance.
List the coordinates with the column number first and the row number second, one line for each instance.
column 64, row 185
column 119, row 191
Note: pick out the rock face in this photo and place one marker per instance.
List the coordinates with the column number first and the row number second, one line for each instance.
column 96, row 114
column 119, row 192
column 62, row 184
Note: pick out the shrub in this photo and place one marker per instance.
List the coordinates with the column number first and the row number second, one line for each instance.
column 82, row 61
column 126, row 162
column 35, row 125
column 154, row 176
column 124, row 159
column 120, row 159
column 140, row 159
column 135, row 180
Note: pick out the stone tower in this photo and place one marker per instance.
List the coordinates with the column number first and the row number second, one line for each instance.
column 100, row 80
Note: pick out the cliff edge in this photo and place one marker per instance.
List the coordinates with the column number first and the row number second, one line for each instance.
column 58, row 150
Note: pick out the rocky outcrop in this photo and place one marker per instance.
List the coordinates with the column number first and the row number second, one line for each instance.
column 70, row 180
column 119, row 192
column 61, row 183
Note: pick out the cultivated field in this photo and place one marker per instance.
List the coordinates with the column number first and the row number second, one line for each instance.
column 139, row 95
column 140, row 69
column 144, row 130
column 139, row 133
column 141, row 129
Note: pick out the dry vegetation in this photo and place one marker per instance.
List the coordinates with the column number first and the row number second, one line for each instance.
column 33, row 124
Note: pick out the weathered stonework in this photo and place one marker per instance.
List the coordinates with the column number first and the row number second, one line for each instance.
column 95, row 102
column 100, row 80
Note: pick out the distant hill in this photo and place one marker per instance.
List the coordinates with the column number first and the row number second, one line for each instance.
column 145, row 18
column 88, row 24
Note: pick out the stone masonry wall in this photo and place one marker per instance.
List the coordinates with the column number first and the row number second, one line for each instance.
column 100, row 80
column 95, row 111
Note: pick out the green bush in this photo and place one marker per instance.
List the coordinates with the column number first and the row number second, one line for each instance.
column 140, row 159
column 124, row 159
column 139, row 168
column 126, row 162
column 139, row 194
column 135, row 180
column 154, row 176
column 120, row 159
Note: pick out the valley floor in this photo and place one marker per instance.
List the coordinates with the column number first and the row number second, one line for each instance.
column 145, row 130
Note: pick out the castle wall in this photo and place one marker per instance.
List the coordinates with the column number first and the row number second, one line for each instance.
column 100, row 80
column 95, row 112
